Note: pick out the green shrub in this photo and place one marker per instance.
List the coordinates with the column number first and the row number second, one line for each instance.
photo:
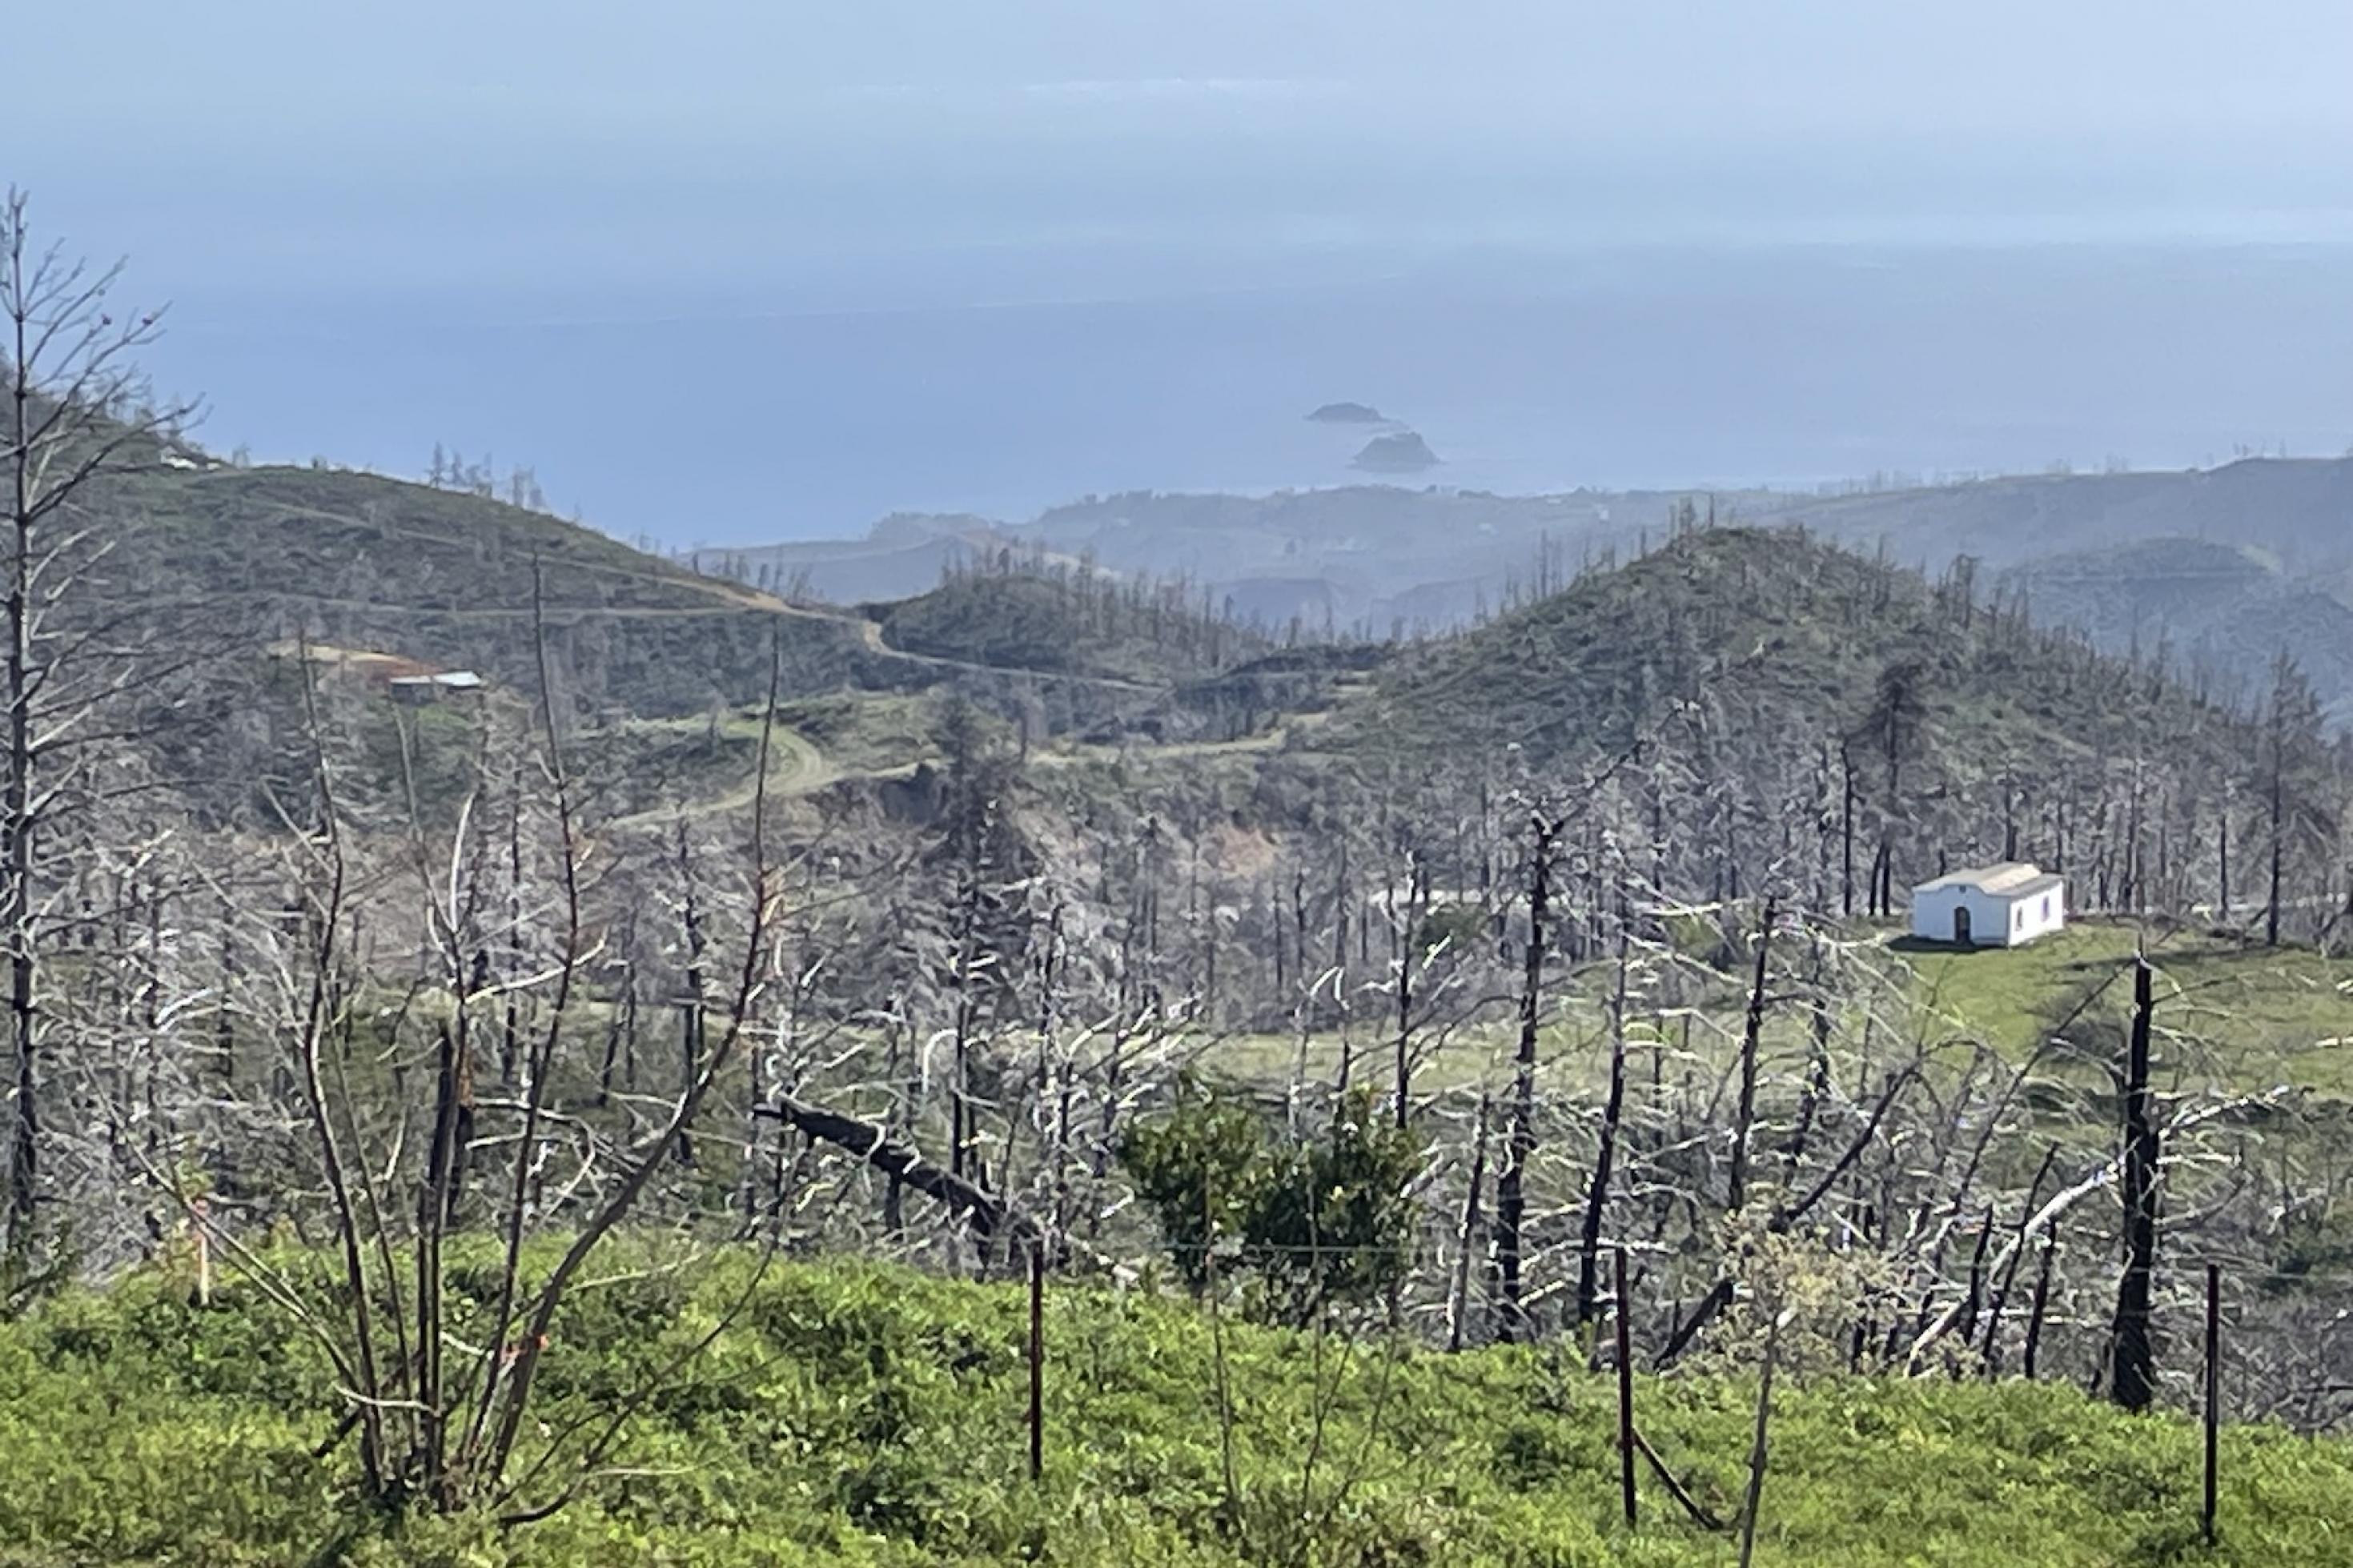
column 1320, row 1222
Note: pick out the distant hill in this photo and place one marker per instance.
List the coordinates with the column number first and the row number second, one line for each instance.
column 1364, row 554
column 443, row 578
column 247, row 563
column 2300, row 510
column 1370, row 557
column 272, row 534
column 2218, row 613
column 1347, row 414
column 901, row 556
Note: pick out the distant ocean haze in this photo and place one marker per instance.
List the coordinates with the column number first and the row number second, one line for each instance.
column 743, row 416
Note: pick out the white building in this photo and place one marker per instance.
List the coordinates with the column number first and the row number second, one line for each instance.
column 1989, row 906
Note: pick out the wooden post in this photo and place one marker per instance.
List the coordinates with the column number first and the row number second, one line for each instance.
column 203, row 1211
column 1036, row 1360
column 2213, row 1391
column 1625, row 1390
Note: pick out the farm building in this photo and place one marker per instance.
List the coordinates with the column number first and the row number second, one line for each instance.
column 1989, row 906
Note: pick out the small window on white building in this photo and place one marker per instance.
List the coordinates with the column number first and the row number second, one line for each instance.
column 2017, row 918
column 2046, row 906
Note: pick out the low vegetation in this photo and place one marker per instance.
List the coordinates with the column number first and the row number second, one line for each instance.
column 853, row 1414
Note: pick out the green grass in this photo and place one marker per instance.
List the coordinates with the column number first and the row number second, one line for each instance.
column 862, row 1414
column 2263, row 1016
column 2241, row 1018
column 868, row 732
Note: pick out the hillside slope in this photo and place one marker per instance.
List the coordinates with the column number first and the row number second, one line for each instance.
column 1774, row 706
column 2219, row 613
column 246, row 565
column 1782, row 632
column 440, row 577
column 445, row 579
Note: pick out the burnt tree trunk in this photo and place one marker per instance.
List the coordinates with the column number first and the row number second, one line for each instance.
column 1520, row 1146
column 2278, row 837
column 1409, row 940
column 1459, row 1307
column 1596, row 1196
column 1745, row 1112
column 2131, row 1355
column 1846, row 831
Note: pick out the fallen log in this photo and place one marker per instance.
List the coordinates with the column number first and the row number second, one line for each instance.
column 873, row 1143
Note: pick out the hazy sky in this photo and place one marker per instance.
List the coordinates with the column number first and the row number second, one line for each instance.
column 262, row 140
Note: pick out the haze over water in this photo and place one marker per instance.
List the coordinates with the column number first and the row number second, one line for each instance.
column 748, row 273
column 739, row 419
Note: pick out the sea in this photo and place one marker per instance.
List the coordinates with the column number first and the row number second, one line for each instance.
column 812, row 402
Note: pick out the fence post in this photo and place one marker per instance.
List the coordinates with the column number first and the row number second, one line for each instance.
column 2213, row 1390
column 1625, row 1389
column 1036, row 1360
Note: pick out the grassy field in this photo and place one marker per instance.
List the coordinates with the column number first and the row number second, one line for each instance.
column 2263, row 1016
column 2246, row 1018
column 863, row 1415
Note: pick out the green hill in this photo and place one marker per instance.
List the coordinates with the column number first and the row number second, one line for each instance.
column 1780, row 635
column 444, row 578
column 1771, row 707
column 251, row 556
column 856, row 1414
column 1068, row 624
column 252, row 560
column 272, row 533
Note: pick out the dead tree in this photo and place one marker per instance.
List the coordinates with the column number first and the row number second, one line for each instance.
column 1408, row 936
column 2132, row 1380
column 1597, row 1195
column 76, row 412
column 1752, row 1028
column 1520, row 1144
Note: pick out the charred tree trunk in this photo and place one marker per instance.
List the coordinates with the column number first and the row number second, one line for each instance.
column 1520, row 1147
column 2278, row 837
column 1597, row 1195
column 1744, row 1111
column 1459, row 1314
column 1846, row 831
column 2132, row 1354
column 2222, row 860
column 16, row 815
column 1409, row 940
column 692, row 1009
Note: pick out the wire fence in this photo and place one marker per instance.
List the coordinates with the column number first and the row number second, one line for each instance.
column 2209, row 1322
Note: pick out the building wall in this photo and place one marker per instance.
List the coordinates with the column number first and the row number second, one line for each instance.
column 1994, row 920
column 1932, row 914
column 2038, row 914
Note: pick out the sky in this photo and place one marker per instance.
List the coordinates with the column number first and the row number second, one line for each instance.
column 431, row 141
